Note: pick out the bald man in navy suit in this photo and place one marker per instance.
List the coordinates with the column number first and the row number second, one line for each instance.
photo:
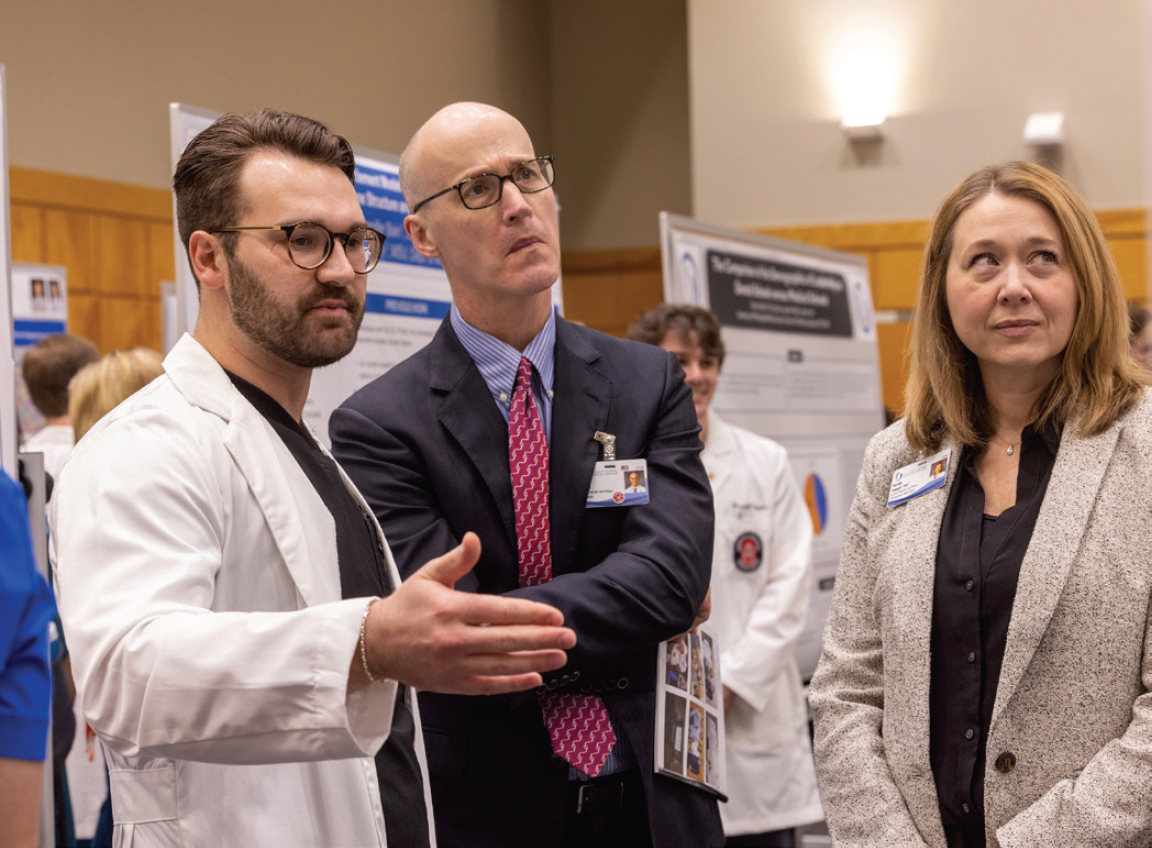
column 428, row 445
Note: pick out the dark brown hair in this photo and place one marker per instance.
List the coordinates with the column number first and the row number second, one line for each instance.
column 682, row 319
column 207, row 176
column 48, row 367
column 1138, row 318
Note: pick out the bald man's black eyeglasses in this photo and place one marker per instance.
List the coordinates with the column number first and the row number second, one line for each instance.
column 486, row 190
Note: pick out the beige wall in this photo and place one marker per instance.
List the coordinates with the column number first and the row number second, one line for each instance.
column 619, row 106
column 605, row 86
column 602, row 85
column 89, row 83
column 767, row 149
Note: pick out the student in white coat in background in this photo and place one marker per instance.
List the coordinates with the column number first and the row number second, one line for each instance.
column 761, row 575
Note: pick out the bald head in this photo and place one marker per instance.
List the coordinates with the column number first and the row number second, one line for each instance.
column 437, row 151
column 502, row 256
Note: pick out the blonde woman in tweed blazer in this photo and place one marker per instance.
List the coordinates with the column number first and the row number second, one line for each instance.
column 1020, row 328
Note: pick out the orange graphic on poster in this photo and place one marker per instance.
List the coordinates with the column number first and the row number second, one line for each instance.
column 817, row 499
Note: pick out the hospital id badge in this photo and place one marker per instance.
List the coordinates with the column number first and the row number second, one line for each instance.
column 619, row 483
column 919, row 478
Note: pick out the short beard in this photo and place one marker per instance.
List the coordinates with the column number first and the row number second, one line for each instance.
column 283, row 330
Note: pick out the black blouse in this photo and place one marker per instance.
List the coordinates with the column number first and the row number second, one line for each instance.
column 978, row 560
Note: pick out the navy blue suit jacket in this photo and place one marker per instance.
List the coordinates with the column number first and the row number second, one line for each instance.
column 428, row 448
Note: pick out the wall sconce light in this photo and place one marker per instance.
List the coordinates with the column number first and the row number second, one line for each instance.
column 865, row 81
column 863, row 133
column 1045, row 129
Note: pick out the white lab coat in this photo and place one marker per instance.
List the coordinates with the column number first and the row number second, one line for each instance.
column 759, row 605
column 199, row 589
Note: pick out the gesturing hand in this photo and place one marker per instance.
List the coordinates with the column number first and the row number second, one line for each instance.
column 431, row 637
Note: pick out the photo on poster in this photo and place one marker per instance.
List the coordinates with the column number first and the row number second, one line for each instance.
column 676, row 665
column 695, row 755
column 39, row 294
column 696, row 658
column 712, row 750
column 676, row 711
column 710, row 692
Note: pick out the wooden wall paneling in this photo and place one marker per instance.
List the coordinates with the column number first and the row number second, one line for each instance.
column 893, row 344
column 84, row 318
column 70, row 192
column 126, row 322
column 894, row 277
column 607, row 289
column 854, row 237
column 115, row 241
column 70, row 240
column 161, row 253
column 122, row 257
column 1123, row 222
column 1131, row 256
column 27, row 233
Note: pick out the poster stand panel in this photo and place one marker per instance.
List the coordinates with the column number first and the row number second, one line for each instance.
column 802, row 367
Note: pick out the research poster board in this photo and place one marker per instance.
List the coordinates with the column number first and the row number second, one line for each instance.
column 184, row 122
column 802, row 367
column 7, row 362
column 408, row 294
column 39, row 309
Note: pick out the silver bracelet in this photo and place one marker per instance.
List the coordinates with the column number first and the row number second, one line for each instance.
column 363, row 645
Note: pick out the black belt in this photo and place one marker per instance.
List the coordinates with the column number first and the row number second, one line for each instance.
column 599, row 795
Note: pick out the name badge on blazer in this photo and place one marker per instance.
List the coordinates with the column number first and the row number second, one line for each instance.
column 919, row 478
column 619, row 483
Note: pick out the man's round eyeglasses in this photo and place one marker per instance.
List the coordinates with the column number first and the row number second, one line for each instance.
column 486, row 189
column 310, row 244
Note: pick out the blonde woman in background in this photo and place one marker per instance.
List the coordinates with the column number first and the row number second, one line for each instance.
column 988, row 656
column 103, row 385
column 94, row 391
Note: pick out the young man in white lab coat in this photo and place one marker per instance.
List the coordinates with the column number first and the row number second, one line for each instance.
column 201, row 535
column 761, row 575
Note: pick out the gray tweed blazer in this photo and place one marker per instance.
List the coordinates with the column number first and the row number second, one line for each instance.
column 1073, row 709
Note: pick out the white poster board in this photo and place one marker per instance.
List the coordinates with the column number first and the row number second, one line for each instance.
column 7, row 352
column 184, row 122
column 802, row 367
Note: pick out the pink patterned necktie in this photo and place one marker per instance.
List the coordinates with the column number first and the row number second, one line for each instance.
column 579, row 725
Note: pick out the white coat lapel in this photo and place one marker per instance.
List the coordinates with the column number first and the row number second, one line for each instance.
column 306, row 537
column 1072, row 489
column 719, row 451
column 298, row 521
